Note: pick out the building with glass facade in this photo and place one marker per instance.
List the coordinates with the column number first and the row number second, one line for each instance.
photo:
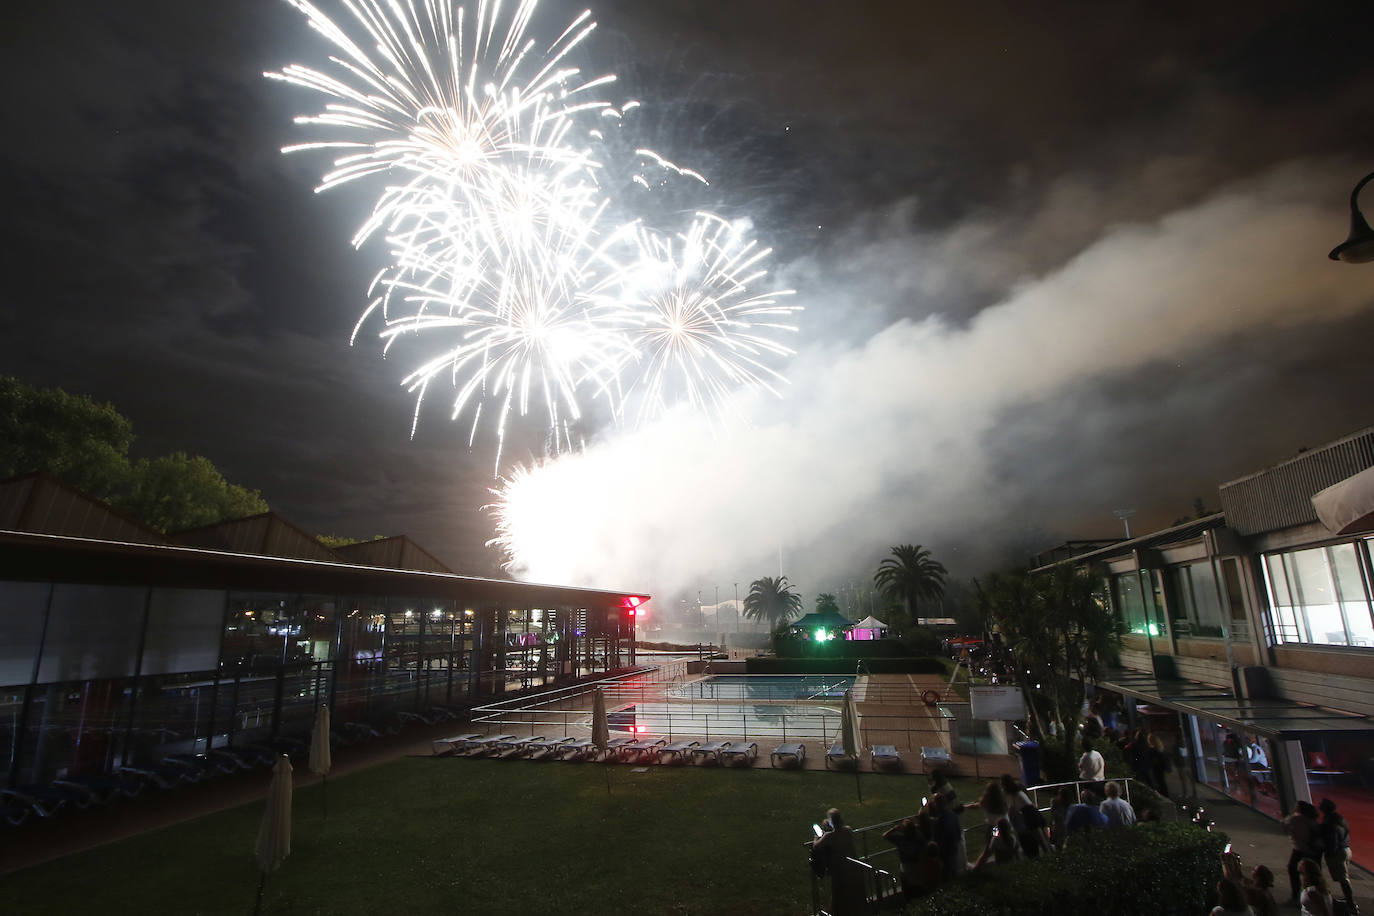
column 121, row 647
column 1254, row 628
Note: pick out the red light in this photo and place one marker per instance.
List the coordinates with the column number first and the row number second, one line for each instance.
column 641, row 729
column 633, row 612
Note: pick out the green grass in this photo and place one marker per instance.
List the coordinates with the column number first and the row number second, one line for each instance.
column 489, row 836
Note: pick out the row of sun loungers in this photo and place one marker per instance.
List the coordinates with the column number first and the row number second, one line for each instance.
column 71, row 793
column 623, row 749
column 883, row 756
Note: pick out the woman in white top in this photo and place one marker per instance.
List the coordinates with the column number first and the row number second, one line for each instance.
column 1316, row 900
column 1232, row 901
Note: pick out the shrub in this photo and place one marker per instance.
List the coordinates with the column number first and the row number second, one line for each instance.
column 921, row 641
column 1150, row 870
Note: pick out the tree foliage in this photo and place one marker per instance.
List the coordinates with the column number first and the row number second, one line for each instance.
column 911, row 575
column 72, row 437
column 1060, row 633
column 826, row 603
column 85, row 443
column 772, row 600
column 180, row 491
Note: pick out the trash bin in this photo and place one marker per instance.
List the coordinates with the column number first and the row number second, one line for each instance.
column 1030, row 761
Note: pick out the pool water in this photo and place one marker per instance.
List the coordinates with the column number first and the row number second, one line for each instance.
column 765, row 687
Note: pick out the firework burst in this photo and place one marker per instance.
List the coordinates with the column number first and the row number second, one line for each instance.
column 504, row 260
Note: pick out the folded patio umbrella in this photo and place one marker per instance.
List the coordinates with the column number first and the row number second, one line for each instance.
column 274, row 832
column 849, row 736
column 601, row 729
column 320, row 761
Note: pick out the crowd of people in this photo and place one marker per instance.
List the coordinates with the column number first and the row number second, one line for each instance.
column 932, row 848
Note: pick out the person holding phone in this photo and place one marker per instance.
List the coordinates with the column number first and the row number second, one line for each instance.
column 832, row 854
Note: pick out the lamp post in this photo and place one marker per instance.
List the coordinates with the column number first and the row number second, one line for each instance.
column 1359, row 248
column 737, row 614
column 1125, row 516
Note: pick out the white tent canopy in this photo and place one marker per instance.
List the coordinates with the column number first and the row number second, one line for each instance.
column 868, row 628
column 1347, row 507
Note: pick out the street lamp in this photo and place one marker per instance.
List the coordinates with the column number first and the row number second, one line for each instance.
column 1359, row 248
column 737, row 607
column 1125, row 516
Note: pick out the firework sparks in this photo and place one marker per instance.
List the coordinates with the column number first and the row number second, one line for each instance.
column 504, row 260
column 702, row 328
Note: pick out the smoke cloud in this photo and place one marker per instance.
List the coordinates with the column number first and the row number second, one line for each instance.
column 905, row 436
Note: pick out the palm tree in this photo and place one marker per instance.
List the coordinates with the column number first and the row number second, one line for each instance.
column 772, row 600
column 910, row 576
column 826, row 604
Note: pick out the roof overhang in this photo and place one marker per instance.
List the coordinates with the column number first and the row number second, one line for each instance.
column 1283, row 719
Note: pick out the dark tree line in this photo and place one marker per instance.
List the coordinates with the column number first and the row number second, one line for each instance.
column 85, row 443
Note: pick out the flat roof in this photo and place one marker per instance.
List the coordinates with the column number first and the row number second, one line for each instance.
column 28, row 557
column 1272, row 718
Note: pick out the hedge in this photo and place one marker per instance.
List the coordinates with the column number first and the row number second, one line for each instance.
column 773, row 665
column 1149, row 870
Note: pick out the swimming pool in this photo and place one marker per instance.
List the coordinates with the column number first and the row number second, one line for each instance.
column 765, row 687
column 756, row 720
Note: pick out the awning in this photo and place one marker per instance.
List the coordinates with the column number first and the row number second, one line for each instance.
column 1268, row 718
column 1347, row 507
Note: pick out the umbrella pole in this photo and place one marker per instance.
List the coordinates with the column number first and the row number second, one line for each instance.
column 858, row 787
column 262, row 883
column 324, row 794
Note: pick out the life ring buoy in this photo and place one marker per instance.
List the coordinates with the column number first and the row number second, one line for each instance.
column 930, row 698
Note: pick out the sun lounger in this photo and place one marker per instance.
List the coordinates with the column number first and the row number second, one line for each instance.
column 710, row 749
column 678, row 751
column 886, row 755
column 785, row 753
column 645, row 750
column 932, row 757
column 453, row 744
column 836, row 756
column 514, row 747
column 613, row 747
column 484, row 746
column 740, row 755
column 106, row 788
column 546, row 748
column 576, row 749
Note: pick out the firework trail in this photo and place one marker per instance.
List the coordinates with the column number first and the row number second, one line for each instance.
column 503, row 255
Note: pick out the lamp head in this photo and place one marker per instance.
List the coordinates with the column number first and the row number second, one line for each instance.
column 1359, row 248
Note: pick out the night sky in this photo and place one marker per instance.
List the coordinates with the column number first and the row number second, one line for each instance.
column 1056, row 259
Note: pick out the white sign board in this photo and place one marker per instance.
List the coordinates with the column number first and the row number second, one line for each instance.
column 1001, row 703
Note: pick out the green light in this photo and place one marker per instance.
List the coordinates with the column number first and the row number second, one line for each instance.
column 820, row 634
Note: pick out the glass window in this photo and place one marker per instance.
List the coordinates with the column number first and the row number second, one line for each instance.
column 1130, row 603
column 1235, row 600
column 93, row 631
column 1320, row 596
column 21, row 628
column 184, row 629
column 1196, row 608
column 1352, row 594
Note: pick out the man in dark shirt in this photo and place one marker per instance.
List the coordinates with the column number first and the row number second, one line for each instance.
column 949, row 836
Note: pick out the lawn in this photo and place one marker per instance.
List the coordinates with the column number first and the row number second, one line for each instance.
column 426, row 835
